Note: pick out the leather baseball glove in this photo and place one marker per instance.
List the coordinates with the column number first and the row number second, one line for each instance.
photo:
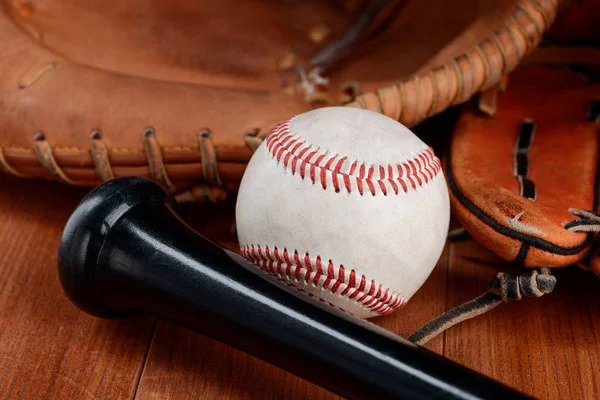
column 524, row 174
column 524, row 178
column 183, row 92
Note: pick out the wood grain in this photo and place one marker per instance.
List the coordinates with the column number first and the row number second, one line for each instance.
column 546, row 347
column 49, row 349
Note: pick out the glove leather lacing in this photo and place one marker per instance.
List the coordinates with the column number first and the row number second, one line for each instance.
column 503, row 287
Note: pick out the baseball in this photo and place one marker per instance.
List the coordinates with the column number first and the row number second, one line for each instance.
column 347, row 206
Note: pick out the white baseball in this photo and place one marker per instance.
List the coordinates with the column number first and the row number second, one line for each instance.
column 346, row 205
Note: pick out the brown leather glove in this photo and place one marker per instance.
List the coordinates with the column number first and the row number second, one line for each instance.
column 523, row 166
column 183, row 92
column 524, row 175
column 524, row 182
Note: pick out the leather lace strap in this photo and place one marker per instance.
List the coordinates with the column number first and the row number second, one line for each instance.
column 100, row 156
column 155, row 159
column 253, row 139
column 416, row 98
column 208, row 157
column 43, row 152
column 589, row 221
column 503, row 288
column 5, row 167
column 201, row 193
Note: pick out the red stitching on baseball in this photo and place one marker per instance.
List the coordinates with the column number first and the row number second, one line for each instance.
column 297, row 154
column 376, row 299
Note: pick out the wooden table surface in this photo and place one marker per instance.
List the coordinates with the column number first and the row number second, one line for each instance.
column 49, row 349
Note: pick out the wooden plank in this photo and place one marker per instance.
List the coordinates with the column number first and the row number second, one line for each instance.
column 184, row 365
column 546, row 347
column 48, row 348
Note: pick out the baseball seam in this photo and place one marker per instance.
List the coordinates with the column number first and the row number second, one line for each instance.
column 291, row 268
column 316, row 165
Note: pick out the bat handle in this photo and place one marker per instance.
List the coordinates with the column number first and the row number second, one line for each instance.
column 124, row 251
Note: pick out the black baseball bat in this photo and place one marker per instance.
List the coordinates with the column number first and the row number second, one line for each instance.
column 125, row 251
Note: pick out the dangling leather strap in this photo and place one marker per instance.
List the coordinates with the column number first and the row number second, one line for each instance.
column 502, row 288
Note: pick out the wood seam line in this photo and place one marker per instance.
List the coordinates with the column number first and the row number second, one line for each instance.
column 144, row 362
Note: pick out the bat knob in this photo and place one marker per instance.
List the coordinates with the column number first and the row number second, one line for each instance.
column 88, row 230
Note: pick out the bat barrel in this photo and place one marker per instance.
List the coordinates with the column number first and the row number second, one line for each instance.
column 124, row 251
